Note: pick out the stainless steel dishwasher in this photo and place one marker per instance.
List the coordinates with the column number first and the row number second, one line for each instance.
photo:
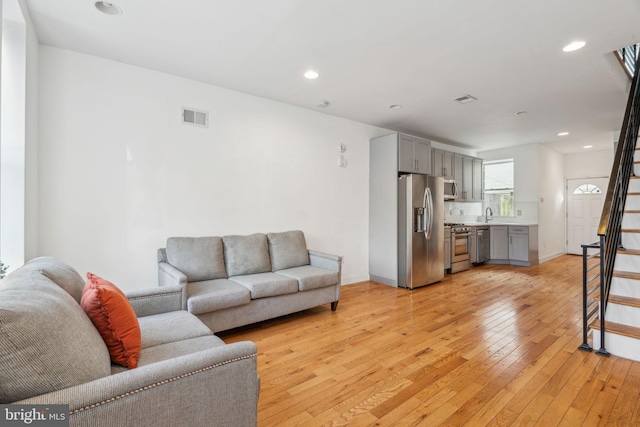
column 483, row 243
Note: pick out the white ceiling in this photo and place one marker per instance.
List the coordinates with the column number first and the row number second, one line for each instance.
column 374, row 53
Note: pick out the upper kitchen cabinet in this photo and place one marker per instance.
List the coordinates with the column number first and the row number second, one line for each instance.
column 414, row 154
column 467, row 172
column 478, row 180
column 442, row 163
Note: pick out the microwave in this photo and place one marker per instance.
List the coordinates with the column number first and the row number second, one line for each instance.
column 450, row 190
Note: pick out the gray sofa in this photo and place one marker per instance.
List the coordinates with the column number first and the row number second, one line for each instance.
column 233, row 281
column 51, row 353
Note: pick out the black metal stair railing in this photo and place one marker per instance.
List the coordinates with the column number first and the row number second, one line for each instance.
column 609, row 229
column 628, row 56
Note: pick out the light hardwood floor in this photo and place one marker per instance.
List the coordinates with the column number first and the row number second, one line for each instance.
column 495, row 345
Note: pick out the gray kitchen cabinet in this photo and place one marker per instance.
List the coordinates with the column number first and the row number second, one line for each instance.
column 478, row 181
column 467, row 172
column 442, row 163
column 414, row 154
column 514, row 244
column 467, row 178
column 523, row 245
column 519, row 247
column 499, row 242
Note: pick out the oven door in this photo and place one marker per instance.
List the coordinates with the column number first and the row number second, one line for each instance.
column 460, row 248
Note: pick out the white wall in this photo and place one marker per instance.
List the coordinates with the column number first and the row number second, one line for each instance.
column 119, row 173
column 588, row 164
column 551, row 209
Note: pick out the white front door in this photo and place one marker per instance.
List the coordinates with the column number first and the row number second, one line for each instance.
column 585, row 200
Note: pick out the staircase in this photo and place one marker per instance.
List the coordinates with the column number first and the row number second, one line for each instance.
column 622, row 325
column 611, row 278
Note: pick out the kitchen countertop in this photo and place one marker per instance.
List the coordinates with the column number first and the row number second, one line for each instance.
column 522, row 224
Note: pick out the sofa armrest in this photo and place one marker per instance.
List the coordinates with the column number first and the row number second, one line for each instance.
column 219, row 385
column 150, row 301
column 326, row 261
column 170, row 276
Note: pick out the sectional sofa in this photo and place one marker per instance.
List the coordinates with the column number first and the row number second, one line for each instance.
column 232, row 281
column 52, row 352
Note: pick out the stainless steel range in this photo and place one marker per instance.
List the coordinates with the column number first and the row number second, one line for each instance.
column 460, row 247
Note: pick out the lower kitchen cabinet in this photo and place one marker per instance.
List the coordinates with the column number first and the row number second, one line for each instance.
column 499, row 242
column 519, row 246
column 514, row 244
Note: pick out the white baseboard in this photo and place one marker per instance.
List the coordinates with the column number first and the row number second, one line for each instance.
column 552, row 256
column 348, row 280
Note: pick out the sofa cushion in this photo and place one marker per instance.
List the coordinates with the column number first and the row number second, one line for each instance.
column 246, row 254
column 174, row 349
column 309, row 277
column 169, row 327
column 199, row 258
column 212, row 295
column 60, row 273
column 47, row 342
column 287, row 250
column 265, row 285
column 113, row 316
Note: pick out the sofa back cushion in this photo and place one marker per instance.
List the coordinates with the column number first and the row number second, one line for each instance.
column 47, row 342
column 60, row 273
column 199, row 258
column 287, row 250
column 246, row 254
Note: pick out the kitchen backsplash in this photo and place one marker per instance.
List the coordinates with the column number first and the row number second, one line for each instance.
column 474, row 212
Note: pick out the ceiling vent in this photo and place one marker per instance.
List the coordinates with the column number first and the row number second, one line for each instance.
column 191, row 116
column 465, row 99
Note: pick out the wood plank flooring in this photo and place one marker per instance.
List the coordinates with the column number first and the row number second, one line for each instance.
column 495, row 346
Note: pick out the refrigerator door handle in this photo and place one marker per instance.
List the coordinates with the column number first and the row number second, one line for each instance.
column 428, row 218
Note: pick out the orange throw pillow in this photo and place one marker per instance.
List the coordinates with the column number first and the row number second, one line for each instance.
column 113, row 316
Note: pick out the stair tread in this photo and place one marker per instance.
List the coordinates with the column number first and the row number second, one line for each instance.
column 633, row 211
column 629, row 251
column 617, row 328
column 630, row 230
column 626, row 274
column 622, row 300
column 632, row 193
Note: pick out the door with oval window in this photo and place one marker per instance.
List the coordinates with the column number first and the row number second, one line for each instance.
column 585, row 198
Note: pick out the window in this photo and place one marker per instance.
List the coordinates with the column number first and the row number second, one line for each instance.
column 587, row 189
column 498, row 186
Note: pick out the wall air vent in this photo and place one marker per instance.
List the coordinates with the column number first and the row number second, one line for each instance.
column 465, row 99
column 191, row 116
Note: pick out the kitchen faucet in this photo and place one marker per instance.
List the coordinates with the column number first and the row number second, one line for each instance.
column 488, row 212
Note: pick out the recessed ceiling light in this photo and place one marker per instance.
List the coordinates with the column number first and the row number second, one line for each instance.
column 311, row 75
column 563, row 134
column 519, row 113
column 588, row 146
column 395, row 106
column 108, row 8
column 323, row 104
column 574, row 46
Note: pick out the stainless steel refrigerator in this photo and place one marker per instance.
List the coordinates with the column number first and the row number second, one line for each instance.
column 420, row 230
